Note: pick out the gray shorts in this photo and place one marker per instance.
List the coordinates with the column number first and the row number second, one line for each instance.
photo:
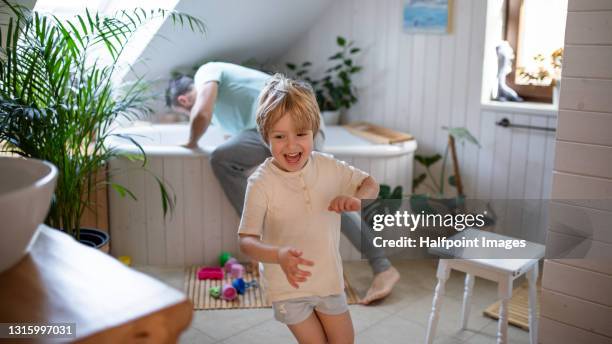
column 294, row 311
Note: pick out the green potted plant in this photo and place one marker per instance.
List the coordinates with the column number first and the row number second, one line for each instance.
column 437, row 199
column 58, row 102
column 456, row 134
column 335, row 90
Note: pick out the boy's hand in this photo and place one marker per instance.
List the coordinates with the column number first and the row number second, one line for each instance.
column 344, row 203
column 289, row 258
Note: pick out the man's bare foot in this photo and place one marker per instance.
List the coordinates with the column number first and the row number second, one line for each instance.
column 382, row 285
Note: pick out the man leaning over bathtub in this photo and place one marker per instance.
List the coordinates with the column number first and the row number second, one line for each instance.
column 226, row 94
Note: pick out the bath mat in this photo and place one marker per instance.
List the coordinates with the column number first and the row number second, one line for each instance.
column 518, row 307
column 198, row 292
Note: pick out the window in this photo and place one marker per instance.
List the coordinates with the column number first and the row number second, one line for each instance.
column 68, row 8
column 535, row 29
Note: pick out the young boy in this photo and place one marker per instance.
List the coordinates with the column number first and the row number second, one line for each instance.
column 291, row 217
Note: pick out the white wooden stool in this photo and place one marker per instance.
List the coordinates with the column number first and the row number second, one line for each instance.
column 502, row 271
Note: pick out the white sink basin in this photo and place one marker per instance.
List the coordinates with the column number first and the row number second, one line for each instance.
column 26, row 186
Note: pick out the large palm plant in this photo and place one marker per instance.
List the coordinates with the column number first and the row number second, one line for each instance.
column 58, row 99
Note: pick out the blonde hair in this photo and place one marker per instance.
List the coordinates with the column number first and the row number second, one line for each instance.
column 283, row 96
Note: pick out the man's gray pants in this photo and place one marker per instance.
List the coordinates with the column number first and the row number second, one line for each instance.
column 233, row 161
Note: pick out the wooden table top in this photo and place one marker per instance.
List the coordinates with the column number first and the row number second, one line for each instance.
column 62, row 281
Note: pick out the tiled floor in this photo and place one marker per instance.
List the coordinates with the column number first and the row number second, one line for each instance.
column 401, row 318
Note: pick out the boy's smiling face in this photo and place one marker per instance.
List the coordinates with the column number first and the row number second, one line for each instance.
column 289, row 146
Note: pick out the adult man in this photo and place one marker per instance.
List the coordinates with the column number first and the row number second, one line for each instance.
column 226, row 94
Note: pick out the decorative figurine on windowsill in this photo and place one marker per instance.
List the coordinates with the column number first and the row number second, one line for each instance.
column 505, row 55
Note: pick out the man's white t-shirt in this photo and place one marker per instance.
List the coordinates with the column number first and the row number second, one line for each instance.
column 290, row 209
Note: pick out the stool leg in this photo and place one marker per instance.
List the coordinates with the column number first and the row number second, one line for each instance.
column 442, row 274
column 532, row 278
column 502, row 325
column 467, row 300
column 504, row 291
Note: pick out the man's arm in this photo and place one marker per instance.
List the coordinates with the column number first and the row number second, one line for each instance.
column 201, row 112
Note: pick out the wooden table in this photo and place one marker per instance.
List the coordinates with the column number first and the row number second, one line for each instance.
column 62, row 281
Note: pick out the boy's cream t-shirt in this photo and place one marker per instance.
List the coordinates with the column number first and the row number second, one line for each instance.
column 290, row 209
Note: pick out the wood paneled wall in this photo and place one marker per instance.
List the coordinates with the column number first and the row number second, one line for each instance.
column 418, row 83
column 576, row 296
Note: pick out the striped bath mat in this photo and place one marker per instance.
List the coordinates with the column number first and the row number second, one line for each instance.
column 518, row 307
column 198, row 292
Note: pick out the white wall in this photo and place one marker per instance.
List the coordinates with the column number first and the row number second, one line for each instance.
column 418, row 83
column 576, row 295
column 236, row 30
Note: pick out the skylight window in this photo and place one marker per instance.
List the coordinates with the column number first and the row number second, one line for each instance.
column 66, row 9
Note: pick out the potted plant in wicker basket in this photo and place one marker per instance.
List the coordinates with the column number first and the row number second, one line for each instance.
column 59, row 100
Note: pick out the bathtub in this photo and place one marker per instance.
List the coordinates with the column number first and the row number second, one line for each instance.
column 204, row 223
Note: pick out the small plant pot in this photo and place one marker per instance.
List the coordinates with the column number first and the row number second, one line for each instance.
column 331, row 117
column 95, row 238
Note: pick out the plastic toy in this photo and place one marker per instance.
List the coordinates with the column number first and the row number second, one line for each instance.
column 212, row 273
column 237, row 270
column 224, row 257
column 127, row 260
column 228, row 292
column 215, row 292
column 240, row 285
column 229, row 263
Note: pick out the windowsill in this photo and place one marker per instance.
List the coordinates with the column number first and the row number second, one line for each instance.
column 531, row 108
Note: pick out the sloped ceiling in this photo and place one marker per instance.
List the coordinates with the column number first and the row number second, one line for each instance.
column 237, row 30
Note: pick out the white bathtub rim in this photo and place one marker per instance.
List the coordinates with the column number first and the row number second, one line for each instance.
column 126, row 147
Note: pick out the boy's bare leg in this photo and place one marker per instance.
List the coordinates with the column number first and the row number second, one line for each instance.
column 309, row 331
column 338, row 328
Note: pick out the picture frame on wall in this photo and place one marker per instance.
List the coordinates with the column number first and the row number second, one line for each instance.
column 427, row 16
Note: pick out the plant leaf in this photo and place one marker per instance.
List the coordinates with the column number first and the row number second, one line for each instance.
column 341, row 41
column 462, row 134
column 397, row 193
column 427, row 160
column 122, row 190
column 336, row 56
column 384, row 191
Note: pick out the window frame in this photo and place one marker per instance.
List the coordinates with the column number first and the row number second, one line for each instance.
column 512, row 28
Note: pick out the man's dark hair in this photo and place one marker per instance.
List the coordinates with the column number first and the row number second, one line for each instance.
column 177, row 87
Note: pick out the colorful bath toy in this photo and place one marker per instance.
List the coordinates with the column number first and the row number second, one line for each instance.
column 212, row 273
column 224, row 257
column 127, row 260
column 229, row 263
column 228, row 292
column 240, row 285
column 237, row 270
column 215, row 292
